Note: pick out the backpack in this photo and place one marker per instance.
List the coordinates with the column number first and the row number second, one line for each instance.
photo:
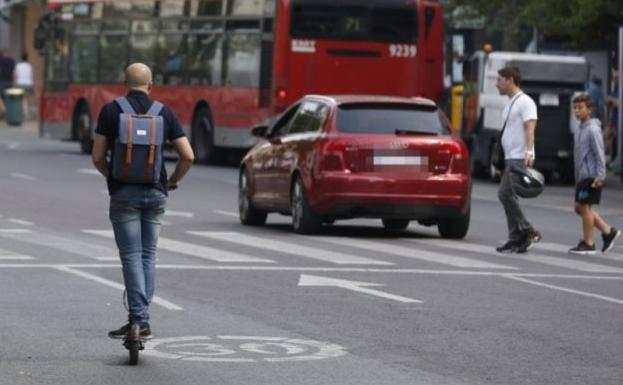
column 137, row 157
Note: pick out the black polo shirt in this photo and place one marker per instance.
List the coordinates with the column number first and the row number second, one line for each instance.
column 108, row 126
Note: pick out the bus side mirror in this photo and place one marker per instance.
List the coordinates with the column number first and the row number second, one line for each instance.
column 259, row 131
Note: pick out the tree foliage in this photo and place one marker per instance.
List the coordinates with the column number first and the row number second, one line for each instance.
column 586, row 23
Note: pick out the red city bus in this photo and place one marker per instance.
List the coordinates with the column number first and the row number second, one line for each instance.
column 227, row 65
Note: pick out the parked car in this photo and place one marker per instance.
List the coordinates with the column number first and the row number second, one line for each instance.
column 339, row 157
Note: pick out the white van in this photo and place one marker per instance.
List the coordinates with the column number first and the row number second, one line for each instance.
column 551, row 80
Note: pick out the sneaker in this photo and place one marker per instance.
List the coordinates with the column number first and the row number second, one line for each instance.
column 583, row 249
column 534, row 235
column 508, row 247
column 123, row 331
column 609, row 239
column 525, row 244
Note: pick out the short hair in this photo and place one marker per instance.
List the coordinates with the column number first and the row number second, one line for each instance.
column 511, row 72
column 584, row 98
column 24, row 56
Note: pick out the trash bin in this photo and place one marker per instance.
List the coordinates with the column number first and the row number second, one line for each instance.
column 13, row 103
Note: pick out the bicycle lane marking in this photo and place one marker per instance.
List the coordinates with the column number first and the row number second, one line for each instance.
column 242, row 349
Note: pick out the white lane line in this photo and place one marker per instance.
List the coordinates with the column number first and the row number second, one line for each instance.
column 20, row 222
column 289, row 248
column 16, row 257
column 226, row 213
column 563, row 208
column 193, row 250
column 19, row 175
column 572, row 264
column 66, row 244
column 173, row 213
column 13, row 146
column 88, row 171
column 415, row 253
column 15, row 231
column 565, row 289
column 321, row 269
column 157, row 300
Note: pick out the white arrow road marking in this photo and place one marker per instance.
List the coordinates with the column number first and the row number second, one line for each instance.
column 314, row 280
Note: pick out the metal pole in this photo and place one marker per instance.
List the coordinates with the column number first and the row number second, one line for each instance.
column 620, row 109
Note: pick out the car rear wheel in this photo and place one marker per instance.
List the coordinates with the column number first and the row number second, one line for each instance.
column 395, row 224
column 249, row 215
column 304, row 220
column 454, row 228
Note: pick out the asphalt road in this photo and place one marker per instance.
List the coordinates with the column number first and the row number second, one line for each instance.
column 239, row 305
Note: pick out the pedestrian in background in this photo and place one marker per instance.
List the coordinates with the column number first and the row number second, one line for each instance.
column 596, row 92
column 22, row 78
column 7, row 65
column 520, row 116
column 612, row 102
column 136, row 209
column 590, row 173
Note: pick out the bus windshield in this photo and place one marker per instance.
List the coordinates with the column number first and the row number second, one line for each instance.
column 390, row 21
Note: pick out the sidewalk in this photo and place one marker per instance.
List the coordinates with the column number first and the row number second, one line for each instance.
column 26, row 126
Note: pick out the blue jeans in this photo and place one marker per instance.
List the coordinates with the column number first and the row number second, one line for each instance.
column 135, row 213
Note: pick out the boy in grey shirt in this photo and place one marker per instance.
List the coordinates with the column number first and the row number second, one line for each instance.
column 590, row 172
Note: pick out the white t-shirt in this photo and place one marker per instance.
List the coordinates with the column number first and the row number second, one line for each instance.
column 514, row 137
column 23, row 74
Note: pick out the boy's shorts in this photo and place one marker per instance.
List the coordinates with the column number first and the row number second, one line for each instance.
column 587, row 195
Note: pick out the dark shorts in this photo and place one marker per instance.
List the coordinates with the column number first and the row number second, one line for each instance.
column 587, row 195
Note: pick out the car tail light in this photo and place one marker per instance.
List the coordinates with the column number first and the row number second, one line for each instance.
column 460, row 161
column 332, row 154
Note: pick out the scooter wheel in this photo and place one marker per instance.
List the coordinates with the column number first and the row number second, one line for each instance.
column 133, row 354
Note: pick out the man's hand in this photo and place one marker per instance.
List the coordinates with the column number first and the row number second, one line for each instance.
column 529, row 159
column 597, row 183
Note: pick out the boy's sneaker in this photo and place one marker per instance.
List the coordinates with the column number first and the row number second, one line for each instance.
column 609, row 239
column 583, row 249
column 123, row 331
column 508, row 247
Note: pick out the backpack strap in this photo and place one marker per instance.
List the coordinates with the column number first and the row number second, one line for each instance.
column 125, row 106
column 152, row 150
column 128, row 151
column 155, row 108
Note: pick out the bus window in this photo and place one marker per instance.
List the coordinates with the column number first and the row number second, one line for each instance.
column 171, row 62
column 242, row 68
column 113, row 50
column 246, row 7
column 206, row 7
column 57, row 65
column 205, row 50
column 326, row 20
column 84, row 59
column 143, row 42
column 171, row 8
column 136, row 8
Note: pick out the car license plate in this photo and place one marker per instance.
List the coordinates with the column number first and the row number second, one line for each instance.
column 400, row 160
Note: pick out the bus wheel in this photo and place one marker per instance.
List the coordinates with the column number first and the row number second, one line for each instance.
column 84, row 131
column 202, row 139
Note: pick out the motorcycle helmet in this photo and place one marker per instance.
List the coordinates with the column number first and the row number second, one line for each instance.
column 527, row 182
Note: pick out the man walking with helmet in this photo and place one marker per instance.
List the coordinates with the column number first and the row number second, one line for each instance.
column 517, row 141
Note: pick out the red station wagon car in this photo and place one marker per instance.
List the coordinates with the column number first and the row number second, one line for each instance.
column 339, row 157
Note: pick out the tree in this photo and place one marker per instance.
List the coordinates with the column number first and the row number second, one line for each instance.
column 583, row 22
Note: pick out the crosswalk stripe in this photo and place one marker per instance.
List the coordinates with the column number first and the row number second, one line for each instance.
column 414, row 253
column 193, row 250
column 557, row 247
column 6, row 255
column 66, row 244
column 289, row 248
column 529, row 256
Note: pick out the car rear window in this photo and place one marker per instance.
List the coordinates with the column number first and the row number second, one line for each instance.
column 391, row 119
